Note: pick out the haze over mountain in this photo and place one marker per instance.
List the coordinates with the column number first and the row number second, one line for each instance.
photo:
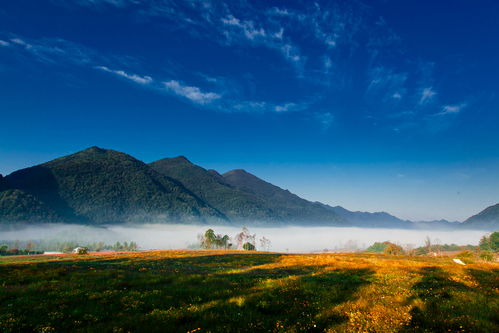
column 102, row 186
column 487, row 219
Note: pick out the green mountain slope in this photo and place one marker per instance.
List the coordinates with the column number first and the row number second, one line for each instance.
column 3, row 184
column 18, row 206
column 487, row 219
column 105, row 186
column 210, row 186
column 285, row 204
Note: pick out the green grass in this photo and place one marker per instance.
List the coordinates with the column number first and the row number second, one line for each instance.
column 215, row 291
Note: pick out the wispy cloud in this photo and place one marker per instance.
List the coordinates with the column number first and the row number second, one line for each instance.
column 452, row 109
column 325, row 119
column 52, row 50
column 57, row 52
column 397, row 96
column 133, row 77
column 96, row 3
column 247, row 28
column 194, row 94
column 427, row 95
column 4, row 43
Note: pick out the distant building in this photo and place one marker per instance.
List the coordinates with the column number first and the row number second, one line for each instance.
column 80, row 250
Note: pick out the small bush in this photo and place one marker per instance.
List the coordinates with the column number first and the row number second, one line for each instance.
column 377, row 247
column 486, row 255
column 393, row 249
column 465, row 254
column 248, row 246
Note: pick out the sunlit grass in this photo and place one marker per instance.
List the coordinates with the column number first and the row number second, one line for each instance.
column 220, row 291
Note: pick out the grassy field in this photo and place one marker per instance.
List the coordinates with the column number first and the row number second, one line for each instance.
column 213, row 291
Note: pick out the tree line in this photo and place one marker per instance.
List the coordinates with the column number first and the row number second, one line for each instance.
column 16, row 247
column 487, row 248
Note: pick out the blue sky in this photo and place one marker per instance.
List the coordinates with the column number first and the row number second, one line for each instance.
column 376, row 105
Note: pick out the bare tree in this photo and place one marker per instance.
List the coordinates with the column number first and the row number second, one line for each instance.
column 427, row 244
column 245, row 237
column 265, row 244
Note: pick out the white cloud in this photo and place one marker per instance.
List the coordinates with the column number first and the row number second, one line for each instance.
column 261, row 106
column 21, row 42
column 133, row 77
column 285, row 107
column 194, row 94
column 452, row 109
column 4, row 43
column 250, row 106
column 291, row 53
column 247, row 27
column 427, row 95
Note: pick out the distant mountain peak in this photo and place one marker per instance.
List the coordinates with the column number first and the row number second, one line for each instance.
column 236, row 171
column 94, row 149
column 172, row 162
column 239, row 173
column 182, row 158
column 487, row 219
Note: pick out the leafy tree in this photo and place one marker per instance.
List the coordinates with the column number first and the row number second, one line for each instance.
column 210, row 240
column 490, row 242
column 248, row 246
column 393, row 249
column 377, row 247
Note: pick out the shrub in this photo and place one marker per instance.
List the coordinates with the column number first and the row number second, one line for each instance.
column 377, row 247
column 248, row 246
column 393, row 249
column 486, row 255
column 466, row 254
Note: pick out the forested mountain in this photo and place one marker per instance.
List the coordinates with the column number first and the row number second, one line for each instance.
column 3, row 184
column 487, row 219
column 18, row 206
column 105, row 186
column 211, row 187
column 284, row 203
column 372, row 220
column 98, row 186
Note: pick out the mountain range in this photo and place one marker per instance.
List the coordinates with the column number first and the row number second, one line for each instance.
column 103, row 186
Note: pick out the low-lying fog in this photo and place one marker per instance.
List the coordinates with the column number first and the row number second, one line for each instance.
column 287, row 239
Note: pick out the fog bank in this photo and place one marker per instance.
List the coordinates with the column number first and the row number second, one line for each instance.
column 286, row 239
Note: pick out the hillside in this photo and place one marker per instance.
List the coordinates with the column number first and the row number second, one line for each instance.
column 98, row 186
column 487, row 219
column 372, row 220
column 212, row 188
column 285, row 204
column 3, row 184
column 18, row 206
column 105, row 186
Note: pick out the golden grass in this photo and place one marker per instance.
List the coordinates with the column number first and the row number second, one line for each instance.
column 203, row 291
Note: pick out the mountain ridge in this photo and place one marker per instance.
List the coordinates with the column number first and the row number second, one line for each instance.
column 99, row 185
column 487, row 219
